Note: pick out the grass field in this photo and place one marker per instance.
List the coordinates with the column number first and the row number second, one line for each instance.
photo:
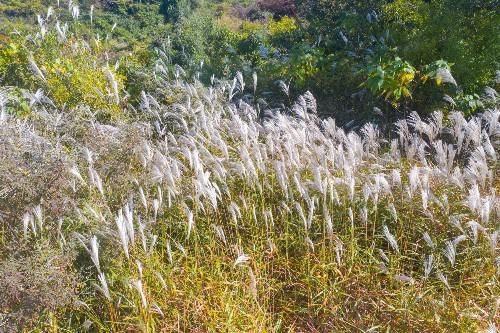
column 202, row 210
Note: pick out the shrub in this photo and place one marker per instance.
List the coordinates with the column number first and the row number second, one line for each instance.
column 32, row 169
column 35, row 280
column 278, row 8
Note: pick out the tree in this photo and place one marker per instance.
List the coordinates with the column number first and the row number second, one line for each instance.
column 174, row 10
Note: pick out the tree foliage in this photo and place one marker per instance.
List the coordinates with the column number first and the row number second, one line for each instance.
column 345, row 51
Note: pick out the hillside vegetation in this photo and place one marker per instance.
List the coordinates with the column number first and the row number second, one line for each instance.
column 173, row 166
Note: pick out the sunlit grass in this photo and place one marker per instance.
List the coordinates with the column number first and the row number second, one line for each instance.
column 205, row 215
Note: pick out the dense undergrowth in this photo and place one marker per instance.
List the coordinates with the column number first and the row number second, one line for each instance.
column 201, row 208
column 373, row 60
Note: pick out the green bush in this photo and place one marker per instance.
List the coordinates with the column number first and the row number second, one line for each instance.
column 69, row 76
